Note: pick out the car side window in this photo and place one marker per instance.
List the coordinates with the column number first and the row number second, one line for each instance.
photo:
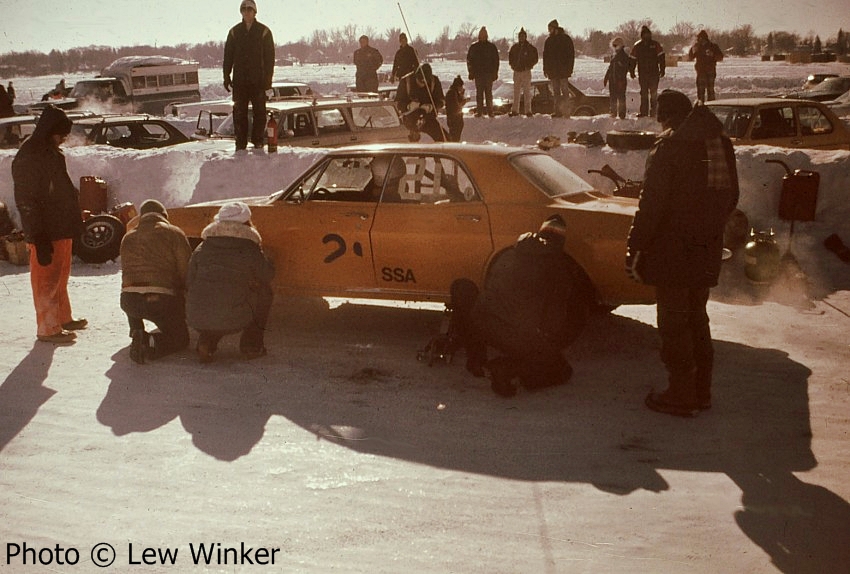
column 154, row 132
column 774, row 123
column 375, row 117
column 114, row 134
column 331, row 121
column 346, row 179
column 431, row 180
column 301, row 124
column 813, row 121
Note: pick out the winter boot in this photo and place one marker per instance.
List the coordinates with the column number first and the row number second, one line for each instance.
column 139, row 346
column 680, row 398
column 501, row 377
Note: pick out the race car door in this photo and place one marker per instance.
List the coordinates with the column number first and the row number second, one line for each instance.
column 431, row 227
column 323, row 240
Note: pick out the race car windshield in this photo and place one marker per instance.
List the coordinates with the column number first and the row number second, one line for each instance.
column 551, row 177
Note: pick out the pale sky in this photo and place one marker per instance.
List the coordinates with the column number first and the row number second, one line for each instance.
column 44, row 25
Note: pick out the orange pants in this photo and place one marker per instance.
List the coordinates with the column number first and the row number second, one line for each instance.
column 50, row 287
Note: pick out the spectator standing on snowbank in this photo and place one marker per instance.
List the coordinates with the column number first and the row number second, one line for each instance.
column 10, row 90
column 229, row 284
column 482, row 63
column 522, row 58
column 249, row 55
column 559, row 57
column 154, row 261
column 367, row 60
column 707, row 54
column 49, row 206
column 405, row 60
column 7, row 110
column 690, row 187
column 647, row 56
column 616, row 78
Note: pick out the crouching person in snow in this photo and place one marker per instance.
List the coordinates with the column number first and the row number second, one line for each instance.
column 230, row 284
column 49, row 206
column 522, row 313
column 154, row 261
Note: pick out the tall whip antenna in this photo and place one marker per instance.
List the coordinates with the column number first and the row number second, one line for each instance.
column 427, row 86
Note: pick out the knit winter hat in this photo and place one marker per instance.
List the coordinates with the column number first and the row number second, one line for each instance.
column 522, row 32
column 554, row 227
column 645, row 30
column 153, row 206
column 55, row 120
column 457, row 82
column 674, row 106
column 234, row 211
column 703, row 34
column 553, row 24
column 248, row 4
column 618, row 41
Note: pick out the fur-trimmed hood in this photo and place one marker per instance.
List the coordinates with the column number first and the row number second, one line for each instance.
column 231, row 229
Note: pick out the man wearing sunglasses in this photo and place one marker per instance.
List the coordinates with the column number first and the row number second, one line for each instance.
column 249, row 55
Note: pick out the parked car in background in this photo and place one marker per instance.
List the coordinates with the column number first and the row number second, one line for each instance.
column 813, row 80
column 404, row 221
column 840, row 105
column 828, row 89
column 279, row 91
column 327, row 122
column 385, row 92
column 125, row 131
column 15, row 130
column 781, row 122
column 542, row 101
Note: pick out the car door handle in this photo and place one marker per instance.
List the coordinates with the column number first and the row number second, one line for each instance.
column 796, row 142
column 360, row 214
column 469, row 217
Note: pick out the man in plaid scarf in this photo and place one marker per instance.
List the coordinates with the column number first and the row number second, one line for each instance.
column 690, row 188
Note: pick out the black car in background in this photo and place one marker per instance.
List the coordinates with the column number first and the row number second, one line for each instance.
column 828, row 89
column 126, row 131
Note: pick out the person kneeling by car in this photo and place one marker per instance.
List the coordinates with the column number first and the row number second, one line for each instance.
column 522, row 313
column 230, row 284
column 154, row 261
column 419, row 97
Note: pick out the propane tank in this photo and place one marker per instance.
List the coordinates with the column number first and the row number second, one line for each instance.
column 761, row 257
column 271, row 133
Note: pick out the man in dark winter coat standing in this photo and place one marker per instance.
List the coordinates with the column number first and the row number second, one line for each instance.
column 405, row 60
column 522, row 58
column 690, row 188
column 647, row 56
column 482, row 62
column 420, row 97
column 249, row 56
column 707, row 54
column 154, row 261
column 229, row 284
column 559, row 56
column 455, row 99
column 524, row 313
column 367, row 61
column 49, row 207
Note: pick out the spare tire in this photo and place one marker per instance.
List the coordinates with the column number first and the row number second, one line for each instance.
column 100, row 240
column 630, row 139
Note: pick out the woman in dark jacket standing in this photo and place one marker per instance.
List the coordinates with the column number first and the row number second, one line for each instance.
column 49, row 206
column 229, row 284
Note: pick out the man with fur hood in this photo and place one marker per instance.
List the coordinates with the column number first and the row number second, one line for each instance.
column 690, row 188
column 49, row 206
column 229, row 284
column 154, row 260
column 647, row 56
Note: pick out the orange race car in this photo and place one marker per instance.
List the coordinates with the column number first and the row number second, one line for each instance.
column 402, row 221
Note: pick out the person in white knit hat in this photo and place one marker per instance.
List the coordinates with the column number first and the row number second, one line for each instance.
column 229, row 284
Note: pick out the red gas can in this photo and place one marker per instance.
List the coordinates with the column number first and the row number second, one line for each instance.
column 93, row 194
column 799, row 197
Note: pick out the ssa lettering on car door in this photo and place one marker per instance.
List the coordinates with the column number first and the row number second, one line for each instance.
column 327, row 246
column 431, row 227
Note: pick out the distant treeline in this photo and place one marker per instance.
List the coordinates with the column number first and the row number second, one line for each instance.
column 338, row 45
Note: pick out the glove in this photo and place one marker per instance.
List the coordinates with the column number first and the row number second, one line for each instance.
column 412, row 106
column 227, row 83
column 660, row 74
column 632, row 262
column 632, row 74
column 427, row 108
column 471, row 76
column 44, row 252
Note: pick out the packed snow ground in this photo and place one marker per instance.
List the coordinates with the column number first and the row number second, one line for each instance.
column 348, row 455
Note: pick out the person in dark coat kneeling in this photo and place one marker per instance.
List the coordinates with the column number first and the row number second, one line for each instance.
column 229, row 284
column 524, row 313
